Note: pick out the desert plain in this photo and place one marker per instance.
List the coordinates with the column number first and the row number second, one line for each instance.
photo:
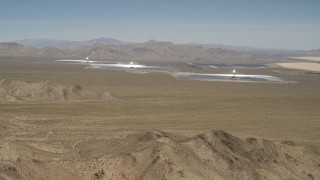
column 160, row 127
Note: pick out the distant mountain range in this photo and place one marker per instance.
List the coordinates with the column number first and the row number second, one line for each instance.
column 269, row 52
column 149, row 51
column 42, row 43
column 113, row 49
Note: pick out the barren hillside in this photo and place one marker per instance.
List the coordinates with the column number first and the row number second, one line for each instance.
column 159, row 155
column 19, row 91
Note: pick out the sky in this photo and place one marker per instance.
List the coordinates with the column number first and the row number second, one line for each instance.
column 285, row 24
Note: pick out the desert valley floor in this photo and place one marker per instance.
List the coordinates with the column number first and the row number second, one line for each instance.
column 123, row 137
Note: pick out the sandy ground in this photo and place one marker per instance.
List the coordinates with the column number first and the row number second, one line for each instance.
column 311, row 58
column 301, row 66
column 161, row 127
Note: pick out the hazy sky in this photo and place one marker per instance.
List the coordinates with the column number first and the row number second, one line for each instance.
column 289, row 24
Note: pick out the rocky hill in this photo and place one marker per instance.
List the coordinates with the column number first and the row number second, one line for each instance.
column 160, row 155
column 46, row 91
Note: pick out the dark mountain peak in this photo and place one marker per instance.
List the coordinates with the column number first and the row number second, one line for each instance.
column 154, row 42
column 104, row 40
column 151, row 41
column 11, row 46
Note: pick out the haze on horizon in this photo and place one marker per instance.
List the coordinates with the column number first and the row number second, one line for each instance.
column 286, row 24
